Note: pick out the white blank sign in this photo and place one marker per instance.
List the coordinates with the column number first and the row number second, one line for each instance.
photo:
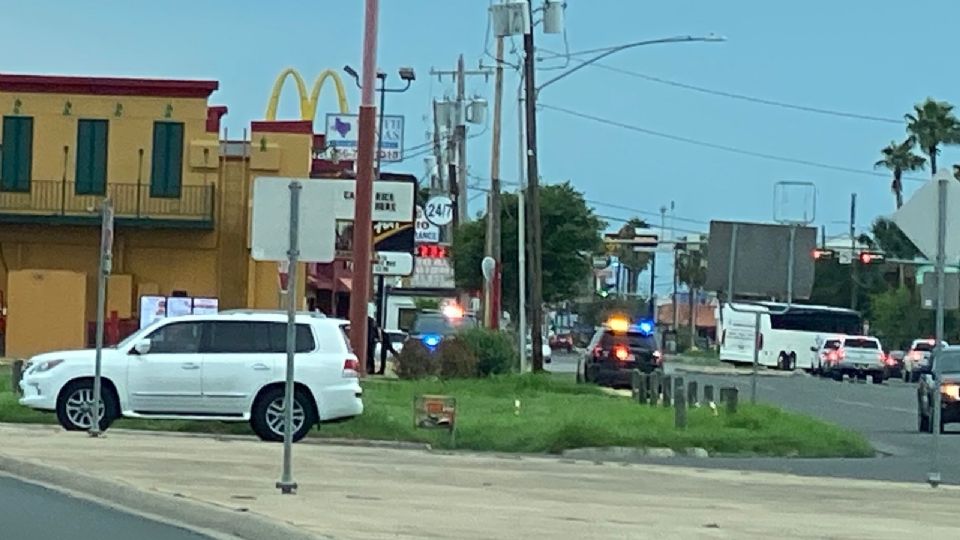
column 270, row 237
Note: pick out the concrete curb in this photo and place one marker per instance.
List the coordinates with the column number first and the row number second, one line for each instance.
column 629, row 453
column 719, row 371
column 203, row 517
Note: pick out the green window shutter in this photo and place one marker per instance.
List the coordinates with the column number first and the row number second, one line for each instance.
column 17, row 158
column 92, row 157
column 166, row 173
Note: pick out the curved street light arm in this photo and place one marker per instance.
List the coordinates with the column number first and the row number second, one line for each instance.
column 611, row 50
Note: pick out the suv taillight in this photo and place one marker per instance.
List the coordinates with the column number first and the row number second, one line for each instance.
column 621, row 353
column 351, row 368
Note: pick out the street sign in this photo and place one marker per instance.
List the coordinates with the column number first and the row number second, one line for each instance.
column 425, row 232
column 761, row 258
column 439, row 210
column 271, row 219
column 600, row 262
column 917, row 219
column 432, row 273
column 343, row 131
column 393, row 263
column 106, row 236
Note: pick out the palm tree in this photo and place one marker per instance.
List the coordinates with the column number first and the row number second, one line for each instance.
column 633, row 262
column 900, row 158
column 933, row 124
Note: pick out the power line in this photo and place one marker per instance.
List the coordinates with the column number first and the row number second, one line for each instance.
column 715, row 146
column 734, row 95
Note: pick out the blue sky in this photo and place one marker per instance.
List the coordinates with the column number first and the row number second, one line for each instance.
column 869, row 58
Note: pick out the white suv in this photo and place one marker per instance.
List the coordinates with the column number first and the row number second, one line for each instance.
column 225, row 367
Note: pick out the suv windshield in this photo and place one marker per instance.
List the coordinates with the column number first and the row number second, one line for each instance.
column 947, row 362
column 924, row 346
column 437, row 323
column 831, row 344
column 860, row 343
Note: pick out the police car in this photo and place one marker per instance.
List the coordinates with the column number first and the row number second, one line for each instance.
column 618, row 347
column 430, row 327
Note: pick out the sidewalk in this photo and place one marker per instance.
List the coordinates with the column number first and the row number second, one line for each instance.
column 376, row 493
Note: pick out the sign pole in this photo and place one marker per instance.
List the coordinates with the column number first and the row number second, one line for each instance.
column 934, row 476
column 106, row 264
column 286, row 485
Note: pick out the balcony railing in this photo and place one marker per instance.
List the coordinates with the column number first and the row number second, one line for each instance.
column 58, row 200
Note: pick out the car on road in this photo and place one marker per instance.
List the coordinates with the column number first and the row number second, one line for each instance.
column 918, row 358
column 397, row 338
column 545, row 350
column 562, row 339
column 430, row 327
column 858, row 356
column 221, row 367
column 616, row 350
column 895, row 360
column 827, row 353
column 943, row 375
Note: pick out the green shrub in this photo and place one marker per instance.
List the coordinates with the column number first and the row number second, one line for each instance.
column 457, row 359
column 495, row 350
column 416, row 362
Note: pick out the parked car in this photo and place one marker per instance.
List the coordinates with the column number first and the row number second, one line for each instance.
column 858, row 356
column 943, row 375
column 430, row 327
column 918, row 358
column 895, row 361
column 616, row 350
column 397, row 338
column 223, row 367
column 545, row 349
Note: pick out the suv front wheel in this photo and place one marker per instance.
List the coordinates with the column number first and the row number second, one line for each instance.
column 267, row 417
column 75, row 406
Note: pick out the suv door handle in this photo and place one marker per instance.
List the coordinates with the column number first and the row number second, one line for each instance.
column 261, row 367
column 190, row 365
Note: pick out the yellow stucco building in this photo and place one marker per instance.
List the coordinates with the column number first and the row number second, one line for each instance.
column 181, row 199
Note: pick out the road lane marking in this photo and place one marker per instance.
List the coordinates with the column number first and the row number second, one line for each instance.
column 870, row 406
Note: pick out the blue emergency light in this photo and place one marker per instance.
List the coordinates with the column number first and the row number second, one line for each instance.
column 645, row 327
column 431, row 340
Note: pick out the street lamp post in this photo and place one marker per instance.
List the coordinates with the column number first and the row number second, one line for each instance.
column 532, row 91
column 407, row 75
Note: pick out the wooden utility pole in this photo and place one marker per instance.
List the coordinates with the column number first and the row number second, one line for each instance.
column 492, row 289
column 461, row 141
column 534, row 247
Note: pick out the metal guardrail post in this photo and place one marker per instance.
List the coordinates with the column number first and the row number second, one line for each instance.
column 667, row 383
column 635, row 377
column 643, row 392
column 708, row 393
column 692, row 389
column 655, row 381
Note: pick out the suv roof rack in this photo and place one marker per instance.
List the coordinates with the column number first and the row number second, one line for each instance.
column 314, row 314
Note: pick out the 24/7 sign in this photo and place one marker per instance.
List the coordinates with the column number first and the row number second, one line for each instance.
column 439, row 210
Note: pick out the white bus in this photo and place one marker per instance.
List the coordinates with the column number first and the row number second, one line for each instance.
column 785, row 340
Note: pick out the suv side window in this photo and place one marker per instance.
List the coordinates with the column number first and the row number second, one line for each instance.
column 237, row 337
column 278, row 338
column 176, row 338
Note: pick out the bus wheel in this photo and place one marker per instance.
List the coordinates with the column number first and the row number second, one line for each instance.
column 792, row 361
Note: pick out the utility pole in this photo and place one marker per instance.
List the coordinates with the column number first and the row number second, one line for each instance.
column 438, row 152
column 492, row 288
column 854, row 259
column 535, row 251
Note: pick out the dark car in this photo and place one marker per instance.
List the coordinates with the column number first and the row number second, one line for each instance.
column 432, row 327
column 618, row 348
column 562, row 339
column 943, row 375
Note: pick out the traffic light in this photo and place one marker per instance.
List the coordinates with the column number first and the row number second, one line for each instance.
column 871, row 257
column 821, row 254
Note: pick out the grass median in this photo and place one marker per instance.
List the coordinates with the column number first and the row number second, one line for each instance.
column 553, row 416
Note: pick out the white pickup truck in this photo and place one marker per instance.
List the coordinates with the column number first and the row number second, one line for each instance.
column 858, row 356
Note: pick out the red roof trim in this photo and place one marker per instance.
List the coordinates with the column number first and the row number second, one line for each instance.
column 107, row 86
column 282, row 126
column 214, row 114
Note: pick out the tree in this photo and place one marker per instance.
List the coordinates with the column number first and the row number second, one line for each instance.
column 891, row 240
column 933, row 124
column 570, row 229
column 634, row 262
column 899, row 158
column 692, row 272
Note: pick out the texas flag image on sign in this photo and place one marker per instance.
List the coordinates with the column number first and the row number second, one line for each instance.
column 341, row 127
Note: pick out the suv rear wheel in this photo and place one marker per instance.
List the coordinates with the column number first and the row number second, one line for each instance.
column 267, row 417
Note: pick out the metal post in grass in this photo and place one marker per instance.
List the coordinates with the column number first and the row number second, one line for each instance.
column 643, row 392
column 667, row 384
column 679, row 408
column 678, row 382
column 730, row 396
column 635, row 384
column 16, row 373
column 692, row 394
column 708, row 393
column 655, row 388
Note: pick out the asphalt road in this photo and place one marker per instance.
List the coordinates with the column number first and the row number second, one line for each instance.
column 30, row 512
column 886, row 414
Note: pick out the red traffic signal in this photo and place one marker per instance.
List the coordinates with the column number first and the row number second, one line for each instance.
column 869, row 257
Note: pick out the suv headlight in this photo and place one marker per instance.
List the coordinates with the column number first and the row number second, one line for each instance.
column 47, row 365
column 950, row 392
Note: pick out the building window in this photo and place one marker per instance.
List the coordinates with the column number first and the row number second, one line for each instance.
column 16, row 163
column 167, row 163
column 92, row 157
